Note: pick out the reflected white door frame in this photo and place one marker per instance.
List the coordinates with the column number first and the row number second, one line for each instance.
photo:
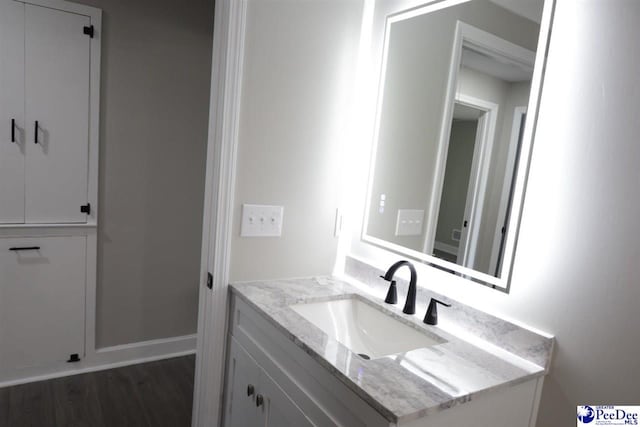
column 480, row 166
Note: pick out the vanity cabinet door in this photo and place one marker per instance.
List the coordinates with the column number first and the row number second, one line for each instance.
column 243, row 375
column 279, row 410
column 253, row 398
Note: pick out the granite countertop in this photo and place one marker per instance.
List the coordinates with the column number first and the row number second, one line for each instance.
column 402, row 387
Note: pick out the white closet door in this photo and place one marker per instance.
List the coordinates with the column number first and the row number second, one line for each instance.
column 42, row 300
column 57, row 62
column 11, row 112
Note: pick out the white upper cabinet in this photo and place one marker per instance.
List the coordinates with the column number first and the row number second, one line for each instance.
column 45, row 90
column 57, row 58
column 12, row 144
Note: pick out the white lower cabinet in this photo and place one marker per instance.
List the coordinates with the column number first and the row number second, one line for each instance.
column 42, row 301
column 272, row 382
column 254, row 399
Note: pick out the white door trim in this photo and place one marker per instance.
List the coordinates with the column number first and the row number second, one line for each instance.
column 226, row 79
column 480, row 165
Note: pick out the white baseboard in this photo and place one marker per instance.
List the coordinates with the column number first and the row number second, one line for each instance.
column 444, row 247
column 109, row 358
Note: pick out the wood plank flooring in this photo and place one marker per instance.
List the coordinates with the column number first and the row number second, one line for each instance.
column 153, row 394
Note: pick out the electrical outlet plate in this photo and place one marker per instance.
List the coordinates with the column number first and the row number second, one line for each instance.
column 261, row 221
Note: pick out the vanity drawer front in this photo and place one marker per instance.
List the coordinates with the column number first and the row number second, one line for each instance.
column 324, row 399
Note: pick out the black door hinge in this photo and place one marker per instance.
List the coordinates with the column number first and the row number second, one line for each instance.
column 89, row 31
column 86, row 208
column 73, row 358
column 209, row 281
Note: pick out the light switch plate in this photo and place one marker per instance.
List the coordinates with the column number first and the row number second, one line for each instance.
column 409, row 222
column 261, row 221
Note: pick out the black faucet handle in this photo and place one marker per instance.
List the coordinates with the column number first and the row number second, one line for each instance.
column 441, row 302
column 431, row 317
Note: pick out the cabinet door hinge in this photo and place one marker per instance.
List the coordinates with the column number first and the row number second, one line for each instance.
column 209, row 281
column 73, row 358
column 86, row 208
column 89, row 31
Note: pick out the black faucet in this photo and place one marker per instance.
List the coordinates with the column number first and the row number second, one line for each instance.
column 431, row 318
column 410, row 302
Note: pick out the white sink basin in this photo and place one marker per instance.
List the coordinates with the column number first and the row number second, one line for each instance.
column 363, row 329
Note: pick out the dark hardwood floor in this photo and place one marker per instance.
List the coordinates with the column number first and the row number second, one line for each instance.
column 152, row 394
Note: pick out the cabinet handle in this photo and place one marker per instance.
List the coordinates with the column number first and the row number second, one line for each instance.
column 25, row 248
column 35, row 133
column 250, row 390
column 13, row 130
column 259, row 400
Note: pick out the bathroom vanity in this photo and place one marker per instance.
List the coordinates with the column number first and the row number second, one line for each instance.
column 322, row 352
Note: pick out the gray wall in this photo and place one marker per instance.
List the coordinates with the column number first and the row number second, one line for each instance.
column 300, row 57
column 156, row 64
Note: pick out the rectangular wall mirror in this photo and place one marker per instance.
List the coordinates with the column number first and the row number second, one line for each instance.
column 455, row 118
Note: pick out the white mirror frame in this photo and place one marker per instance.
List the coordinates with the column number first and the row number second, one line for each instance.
column 465, row 34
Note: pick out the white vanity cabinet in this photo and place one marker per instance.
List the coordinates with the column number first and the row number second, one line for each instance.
column 297, row 387
column 296, row 390
column 254, row 398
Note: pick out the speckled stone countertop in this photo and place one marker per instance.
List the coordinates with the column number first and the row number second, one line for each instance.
column 402, row 387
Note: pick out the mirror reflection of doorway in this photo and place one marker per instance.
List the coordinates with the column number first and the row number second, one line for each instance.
column 508, row 187
column 452, row 229
column 475, row 238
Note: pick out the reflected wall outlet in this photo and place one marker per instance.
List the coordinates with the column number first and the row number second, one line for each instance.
column 409, row 222
column 261, row 221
